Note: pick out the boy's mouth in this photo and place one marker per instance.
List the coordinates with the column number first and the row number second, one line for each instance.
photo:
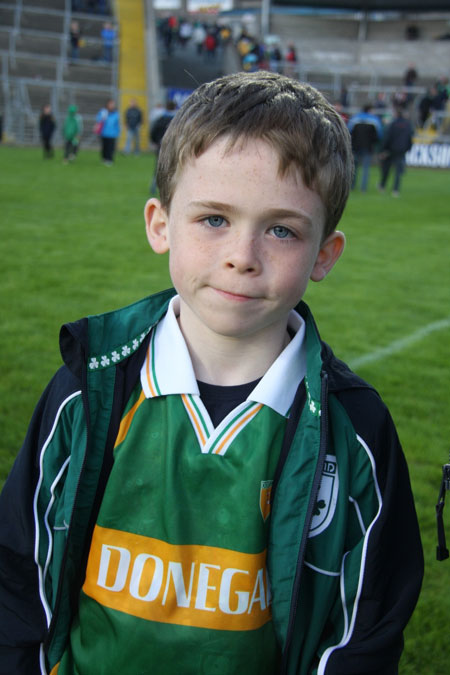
column 238, row 297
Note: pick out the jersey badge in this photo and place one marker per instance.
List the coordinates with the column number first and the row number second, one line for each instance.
column 326, row 498
column 264, row 498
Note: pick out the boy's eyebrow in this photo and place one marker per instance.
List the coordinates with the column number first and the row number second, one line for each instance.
column 270, row 213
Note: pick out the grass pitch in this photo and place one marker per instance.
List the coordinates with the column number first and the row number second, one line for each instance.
column 73, row 243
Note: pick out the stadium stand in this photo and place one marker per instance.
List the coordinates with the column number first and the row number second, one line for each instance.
column 36, row 67
column 358, row 53
column 350, row 48
column 361, row 53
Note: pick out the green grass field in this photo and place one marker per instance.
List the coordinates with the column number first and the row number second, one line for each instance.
column 73, row 243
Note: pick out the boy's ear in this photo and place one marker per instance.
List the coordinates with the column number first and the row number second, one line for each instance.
column 156, row 226
column 330, row 250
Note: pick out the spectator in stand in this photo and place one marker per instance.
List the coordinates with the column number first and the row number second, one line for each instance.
column 250, row 62
column 275, row 58
column 109, row 132
column 108, row 36
column 169, row 31
column 210, row 44
column 225, row 35
column 72, row 130
column 75, row 35
column 426, row 105
column 440, row 100
column 245, row 44
column 397, row 141
column 366, row 132
column 411, row 76
column 199, row 36
column 291, row 60
column 184, row 32
column 291, row 54
column 47, row 126
column 133, row 122
column 409, row 80
column 381, row 106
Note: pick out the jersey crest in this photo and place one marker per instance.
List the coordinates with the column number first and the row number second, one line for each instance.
column 264, row 498
column 326, row 498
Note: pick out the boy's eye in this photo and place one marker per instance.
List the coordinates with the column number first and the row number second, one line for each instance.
column 215, row 221
column 282, row 232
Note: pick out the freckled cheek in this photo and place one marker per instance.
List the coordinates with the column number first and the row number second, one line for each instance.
column 185, row 266
column 292, row 284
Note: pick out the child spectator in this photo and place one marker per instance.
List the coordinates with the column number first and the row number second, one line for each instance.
column 205, row 487
column 72, row 130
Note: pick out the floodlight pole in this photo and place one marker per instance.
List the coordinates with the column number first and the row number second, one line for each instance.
column 265, row 18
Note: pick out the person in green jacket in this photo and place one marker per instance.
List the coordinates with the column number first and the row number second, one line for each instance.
column 204, row 486
column 72, row 130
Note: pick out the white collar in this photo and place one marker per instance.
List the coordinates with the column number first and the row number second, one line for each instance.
column 168, row 368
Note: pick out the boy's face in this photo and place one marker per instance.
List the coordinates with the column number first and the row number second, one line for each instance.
column 244, row 242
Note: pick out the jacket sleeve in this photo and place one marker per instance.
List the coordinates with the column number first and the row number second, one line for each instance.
column 23, row 620
column 390, row 557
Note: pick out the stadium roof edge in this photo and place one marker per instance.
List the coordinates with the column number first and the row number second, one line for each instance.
column 332, row 11
column 408, row 6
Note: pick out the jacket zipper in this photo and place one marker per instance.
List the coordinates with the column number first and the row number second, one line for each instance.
column 312, row 501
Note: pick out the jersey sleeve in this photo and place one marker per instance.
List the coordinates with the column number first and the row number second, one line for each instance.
column 24, row 550
column 383, row 569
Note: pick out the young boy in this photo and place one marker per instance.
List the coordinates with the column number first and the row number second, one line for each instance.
column 204, row 487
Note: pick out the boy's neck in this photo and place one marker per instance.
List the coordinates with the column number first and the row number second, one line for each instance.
column 228, row 361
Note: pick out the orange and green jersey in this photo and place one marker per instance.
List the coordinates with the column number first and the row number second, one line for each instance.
column 176, row 580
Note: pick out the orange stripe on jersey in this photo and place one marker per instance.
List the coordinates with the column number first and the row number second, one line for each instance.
column 236, row 427
column 147, row 370
column 194, row 418
column 54, row 670
column 126, row 422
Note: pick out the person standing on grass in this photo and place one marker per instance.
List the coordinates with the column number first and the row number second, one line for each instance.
column 109, row 131
column 366, row 132
column 72, row 130
column 205, row 487
column 47, row 126
column 397, row 140
column 133, row 121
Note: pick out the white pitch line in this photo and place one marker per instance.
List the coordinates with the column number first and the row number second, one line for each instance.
column 401, row 344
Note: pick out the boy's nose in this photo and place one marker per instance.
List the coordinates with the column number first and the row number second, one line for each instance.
column 243, row 256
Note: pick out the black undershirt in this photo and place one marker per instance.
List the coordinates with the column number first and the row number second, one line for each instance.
column 219, row 401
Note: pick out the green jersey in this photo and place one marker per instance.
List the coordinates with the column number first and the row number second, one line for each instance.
column 176, row 579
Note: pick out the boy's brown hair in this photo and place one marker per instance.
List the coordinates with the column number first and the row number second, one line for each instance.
column 294, row 118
